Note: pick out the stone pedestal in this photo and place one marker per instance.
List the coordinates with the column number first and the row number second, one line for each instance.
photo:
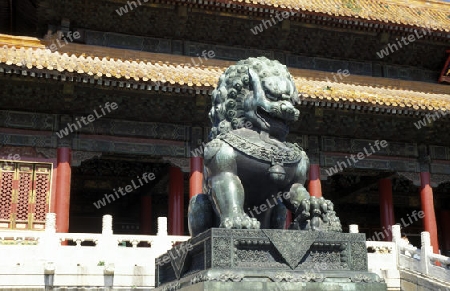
column 267, row 259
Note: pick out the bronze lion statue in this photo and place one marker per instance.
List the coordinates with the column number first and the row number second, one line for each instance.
column 251, row 174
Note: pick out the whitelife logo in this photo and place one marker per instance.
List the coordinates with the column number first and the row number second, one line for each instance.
column 179, row 249
column 334, row 170
column 57, row 45
column 206, row 55
column 341, row 73
column 427, row 119
column 393, row 47
column 381, row 235
column 268, row 23
column 263, row 207
column 128, row 188
column 11, row 159
column 124, row 9
column 90, row 118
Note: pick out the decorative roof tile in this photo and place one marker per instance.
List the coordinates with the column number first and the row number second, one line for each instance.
column 158, row 70
column 432, row 14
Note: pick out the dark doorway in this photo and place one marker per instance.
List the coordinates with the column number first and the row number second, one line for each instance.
column 99, row 186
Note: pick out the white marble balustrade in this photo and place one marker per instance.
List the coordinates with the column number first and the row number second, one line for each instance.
column 40, row 259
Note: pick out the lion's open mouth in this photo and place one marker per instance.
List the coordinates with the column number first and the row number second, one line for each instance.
column 270, row 120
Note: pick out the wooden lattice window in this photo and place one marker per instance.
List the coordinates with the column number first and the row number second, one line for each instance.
column 24, row 194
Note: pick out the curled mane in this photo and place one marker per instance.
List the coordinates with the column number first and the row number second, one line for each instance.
column 234, row 86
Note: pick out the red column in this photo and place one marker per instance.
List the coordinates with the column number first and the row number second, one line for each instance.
column 426, row 198
column 445, row 231
column 62, row 205
column 176, row 202
column 314, row 186
column 196, row 177
column 146, row 214
column 288, row 219
column 386, row 207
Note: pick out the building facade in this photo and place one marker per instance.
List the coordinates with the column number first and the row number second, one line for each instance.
column 96, row 96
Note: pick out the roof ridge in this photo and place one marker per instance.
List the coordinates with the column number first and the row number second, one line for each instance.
column 423, row 15
column 356, row 89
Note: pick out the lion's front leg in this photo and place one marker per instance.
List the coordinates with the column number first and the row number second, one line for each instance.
column 311, row 213
column 225, row 187
column 228, row 195
column 297, row 195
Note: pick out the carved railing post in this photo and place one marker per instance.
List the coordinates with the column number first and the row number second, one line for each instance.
column 396, row 234
column 425, row 251
column 163, row 243
column 52, row 245
column 49, row 243
column 107, row 225
column 50, row 223
column 107, row 245
column 396, row 238
column 162, row 226
column 353, row 228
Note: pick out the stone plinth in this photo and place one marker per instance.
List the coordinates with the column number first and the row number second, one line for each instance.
column 267, row 259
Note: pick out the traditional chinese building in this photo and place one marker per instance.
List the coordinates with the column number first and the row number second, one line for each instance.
column 94, row 94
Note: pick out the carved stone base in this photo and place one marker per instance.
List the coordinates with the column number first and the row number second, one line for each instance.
column 274, row 286
column 239, row 259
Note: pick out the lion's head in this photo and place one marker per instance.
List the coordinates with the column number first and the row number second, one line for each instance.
column 255, row 90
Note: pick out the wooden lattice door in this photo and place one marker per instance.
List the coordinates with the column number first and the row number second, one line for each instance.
column 24, row 194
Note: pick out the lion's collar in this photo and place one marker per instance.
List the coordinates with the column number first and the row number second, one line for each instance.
column 260, row 150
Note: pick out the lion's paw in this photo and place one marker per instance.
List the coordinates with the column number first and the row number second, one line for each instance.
column 240, row 221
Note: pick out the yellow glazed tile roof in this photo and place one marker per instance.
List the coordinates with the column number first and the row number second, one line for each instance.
column 420, row 13
column 28, row 56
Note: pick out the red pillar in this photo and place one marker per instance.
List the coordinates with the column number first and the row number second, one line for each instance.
column 196, row 177
column 288, row 219
column 62, row 205
column 429, row 220
column 146, row 214
column 314, row 186
column 445, row 231
column 386, row 207
column 176, row 202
